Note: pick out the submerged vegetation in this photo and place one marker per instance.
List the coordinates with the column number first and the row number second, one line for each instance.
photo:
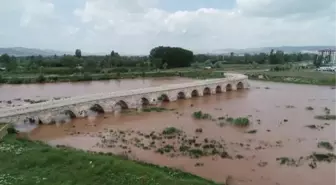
column 326, row 145
column 171, row 130
column 154, row 109
column 309, row 108
column 240, row 121
column 201, row 115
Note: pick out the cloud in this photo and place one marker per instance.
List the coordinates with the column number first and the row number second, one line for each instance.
column 135, row 26
column 36, row 11
column 252, row 23
column 287, row 8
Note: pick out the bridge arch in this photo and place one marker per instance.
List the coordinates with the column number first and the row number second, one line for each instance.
column 228, row 87
column 97, row 108
column 122, row 104
column 240, row 85
column 32, row 120
column 69, row 113
column 194, row 93
column 181, row 95
column 164, row 98
column 207, row 91
column 218, row 89
column 144, row 101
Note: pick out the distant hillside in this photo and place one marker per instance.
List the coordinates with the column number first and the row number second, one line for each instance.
column 286, row 49
column 20, row 51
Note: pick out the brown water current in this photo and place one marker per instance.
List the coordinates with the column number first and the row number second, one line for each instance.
column 51, row 90
column 278, row 113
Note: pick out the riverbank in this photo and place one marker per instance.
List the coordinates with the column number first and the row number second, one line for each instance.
column 297, row 77
column 38, row 163
column 26, row 79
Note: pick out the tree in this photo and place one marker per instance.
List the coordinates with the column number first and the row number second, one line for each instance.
column 165, row 65
column 317, row 61
column 114, row 54
column 40, row 79
column 5, row 58
column 78, row 53
column 277, row 57
column 70, row 61
column 173, row 56
column 208, row 63
column 157, row 62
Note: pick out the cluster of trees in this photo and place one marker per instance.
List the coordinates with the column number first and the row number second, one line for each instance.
column 173, row 57
column 274, row 57
column 159, row 58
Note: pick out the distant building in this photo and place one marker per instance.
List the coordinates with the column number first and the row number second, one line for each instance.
column 328, row 56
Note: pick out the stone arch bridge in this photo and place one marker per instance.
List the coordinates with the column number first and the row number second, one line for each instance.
column 108, row 102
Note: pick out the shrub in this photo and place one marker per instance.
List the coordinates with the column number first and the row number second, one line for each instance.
column 40, row 79
column 156, row 109
column 309, row 108
column 201, row 115
column 241, row 122
column 326, row 117
column 171, row 130
column 326, row 145
column 11, row 130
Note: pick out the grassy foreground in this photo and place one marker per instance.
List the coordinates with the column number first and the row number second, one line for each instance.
column 25, row 162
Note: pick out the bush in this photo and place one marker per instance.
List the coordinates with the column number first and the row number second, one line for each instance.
column 40, row 79
column 309, row 108
column 201, row 115
column 11, row 130
column 241, row 122
column 171, row 130
column 15, row 80
column 326, row 145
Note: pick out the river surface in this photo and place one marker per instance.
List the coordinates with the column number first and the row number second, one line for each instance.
column 51, row 90
column 278, row 113
column 17, row 95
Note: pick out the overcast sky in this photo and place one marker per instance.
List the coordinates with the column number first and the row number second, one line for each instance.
column 135, row 26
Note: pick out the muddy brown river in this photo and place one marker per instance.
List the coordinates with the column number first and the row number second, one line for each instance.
column 277, row 112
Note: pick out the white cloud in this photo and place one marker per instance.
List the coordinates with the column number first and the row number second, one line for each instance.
column 71, row 30
column 36, row 11
column 283, row 8
column 135, row 26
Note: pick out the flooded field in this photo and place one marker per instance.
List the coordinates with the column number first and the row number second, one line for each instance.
column 276, row 148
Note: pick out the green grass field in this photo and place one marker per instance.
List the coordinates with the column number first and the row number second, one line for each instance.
column 301, row 77
column 25, row 162
column 307, row 76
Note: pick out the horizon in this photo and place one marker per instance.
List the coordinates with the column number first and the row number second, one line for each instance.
column 216, row 51
column 134, row 27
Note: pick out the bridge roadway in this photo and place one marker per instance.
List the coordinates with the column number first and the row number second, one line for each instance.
column 78, row 106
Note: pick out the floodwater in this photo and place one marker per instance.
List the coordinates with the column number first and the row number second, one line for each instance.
column 278, row 114
column 16, row 94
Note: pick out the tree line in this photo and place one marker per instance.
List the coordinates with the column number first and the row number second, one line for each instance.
column 161, row 57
